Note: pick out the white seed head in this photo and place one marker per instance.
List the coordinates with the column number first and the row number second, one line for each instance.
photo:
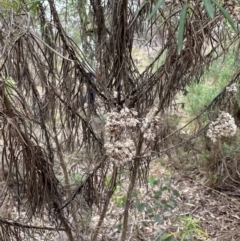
column 232, row 88
column 224, row 126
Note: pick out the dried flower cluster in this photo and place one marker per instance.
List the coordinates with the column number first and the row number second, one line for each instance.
column 150, row 125
column 118, row 122
column 120, row 152
column 120, row 147
column 232, row 88
column 120, row 130
column 224, row 126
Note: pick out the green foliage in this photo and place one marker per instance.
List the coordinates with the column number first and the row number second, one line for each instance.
column 9, row 88
column 118, row 197
column 16, row 5
column 78, row 177
column 154, row 11
column 209, row 8
column 157, row 206
column 33, row 5
column 166, row 237
column 191, row 229
column 9, row 5
column 201, row 94
column 153, row 181
column 181, row 27
column 120, row 200
column 107, row 180
column 162, row 200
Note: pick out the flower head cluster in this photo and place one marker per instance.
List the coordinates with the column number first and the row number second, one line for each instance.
column 120, row 147
column 150, row 125
column 121, row 151
column 118, row 122
column 232, row 88
column 122, row 127
column 224, row 126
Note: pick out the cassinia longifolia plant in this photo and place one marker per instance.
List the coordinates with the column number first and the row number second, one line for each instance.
column 224, row 126
column 121, row 130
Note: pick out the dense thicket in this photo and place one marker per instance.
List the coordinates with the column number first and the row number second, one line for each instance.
column 64, row 66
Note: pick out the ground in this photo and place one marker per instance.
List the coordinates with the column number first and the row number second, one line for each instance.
column 218, row 212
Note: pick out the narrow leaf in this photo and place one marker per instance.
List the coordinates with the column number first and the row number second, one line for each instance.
column 7, row 4
column 142, row 6
column 167, row 237
column 34, row 6
column 158, row 5
column 181, row 27
column 33, row 2
column 209, row 8
column 226, row 14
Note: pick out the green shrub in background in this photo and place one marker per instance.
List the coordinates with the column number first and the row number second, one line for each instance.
column 189, row 229
column 213, row 81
